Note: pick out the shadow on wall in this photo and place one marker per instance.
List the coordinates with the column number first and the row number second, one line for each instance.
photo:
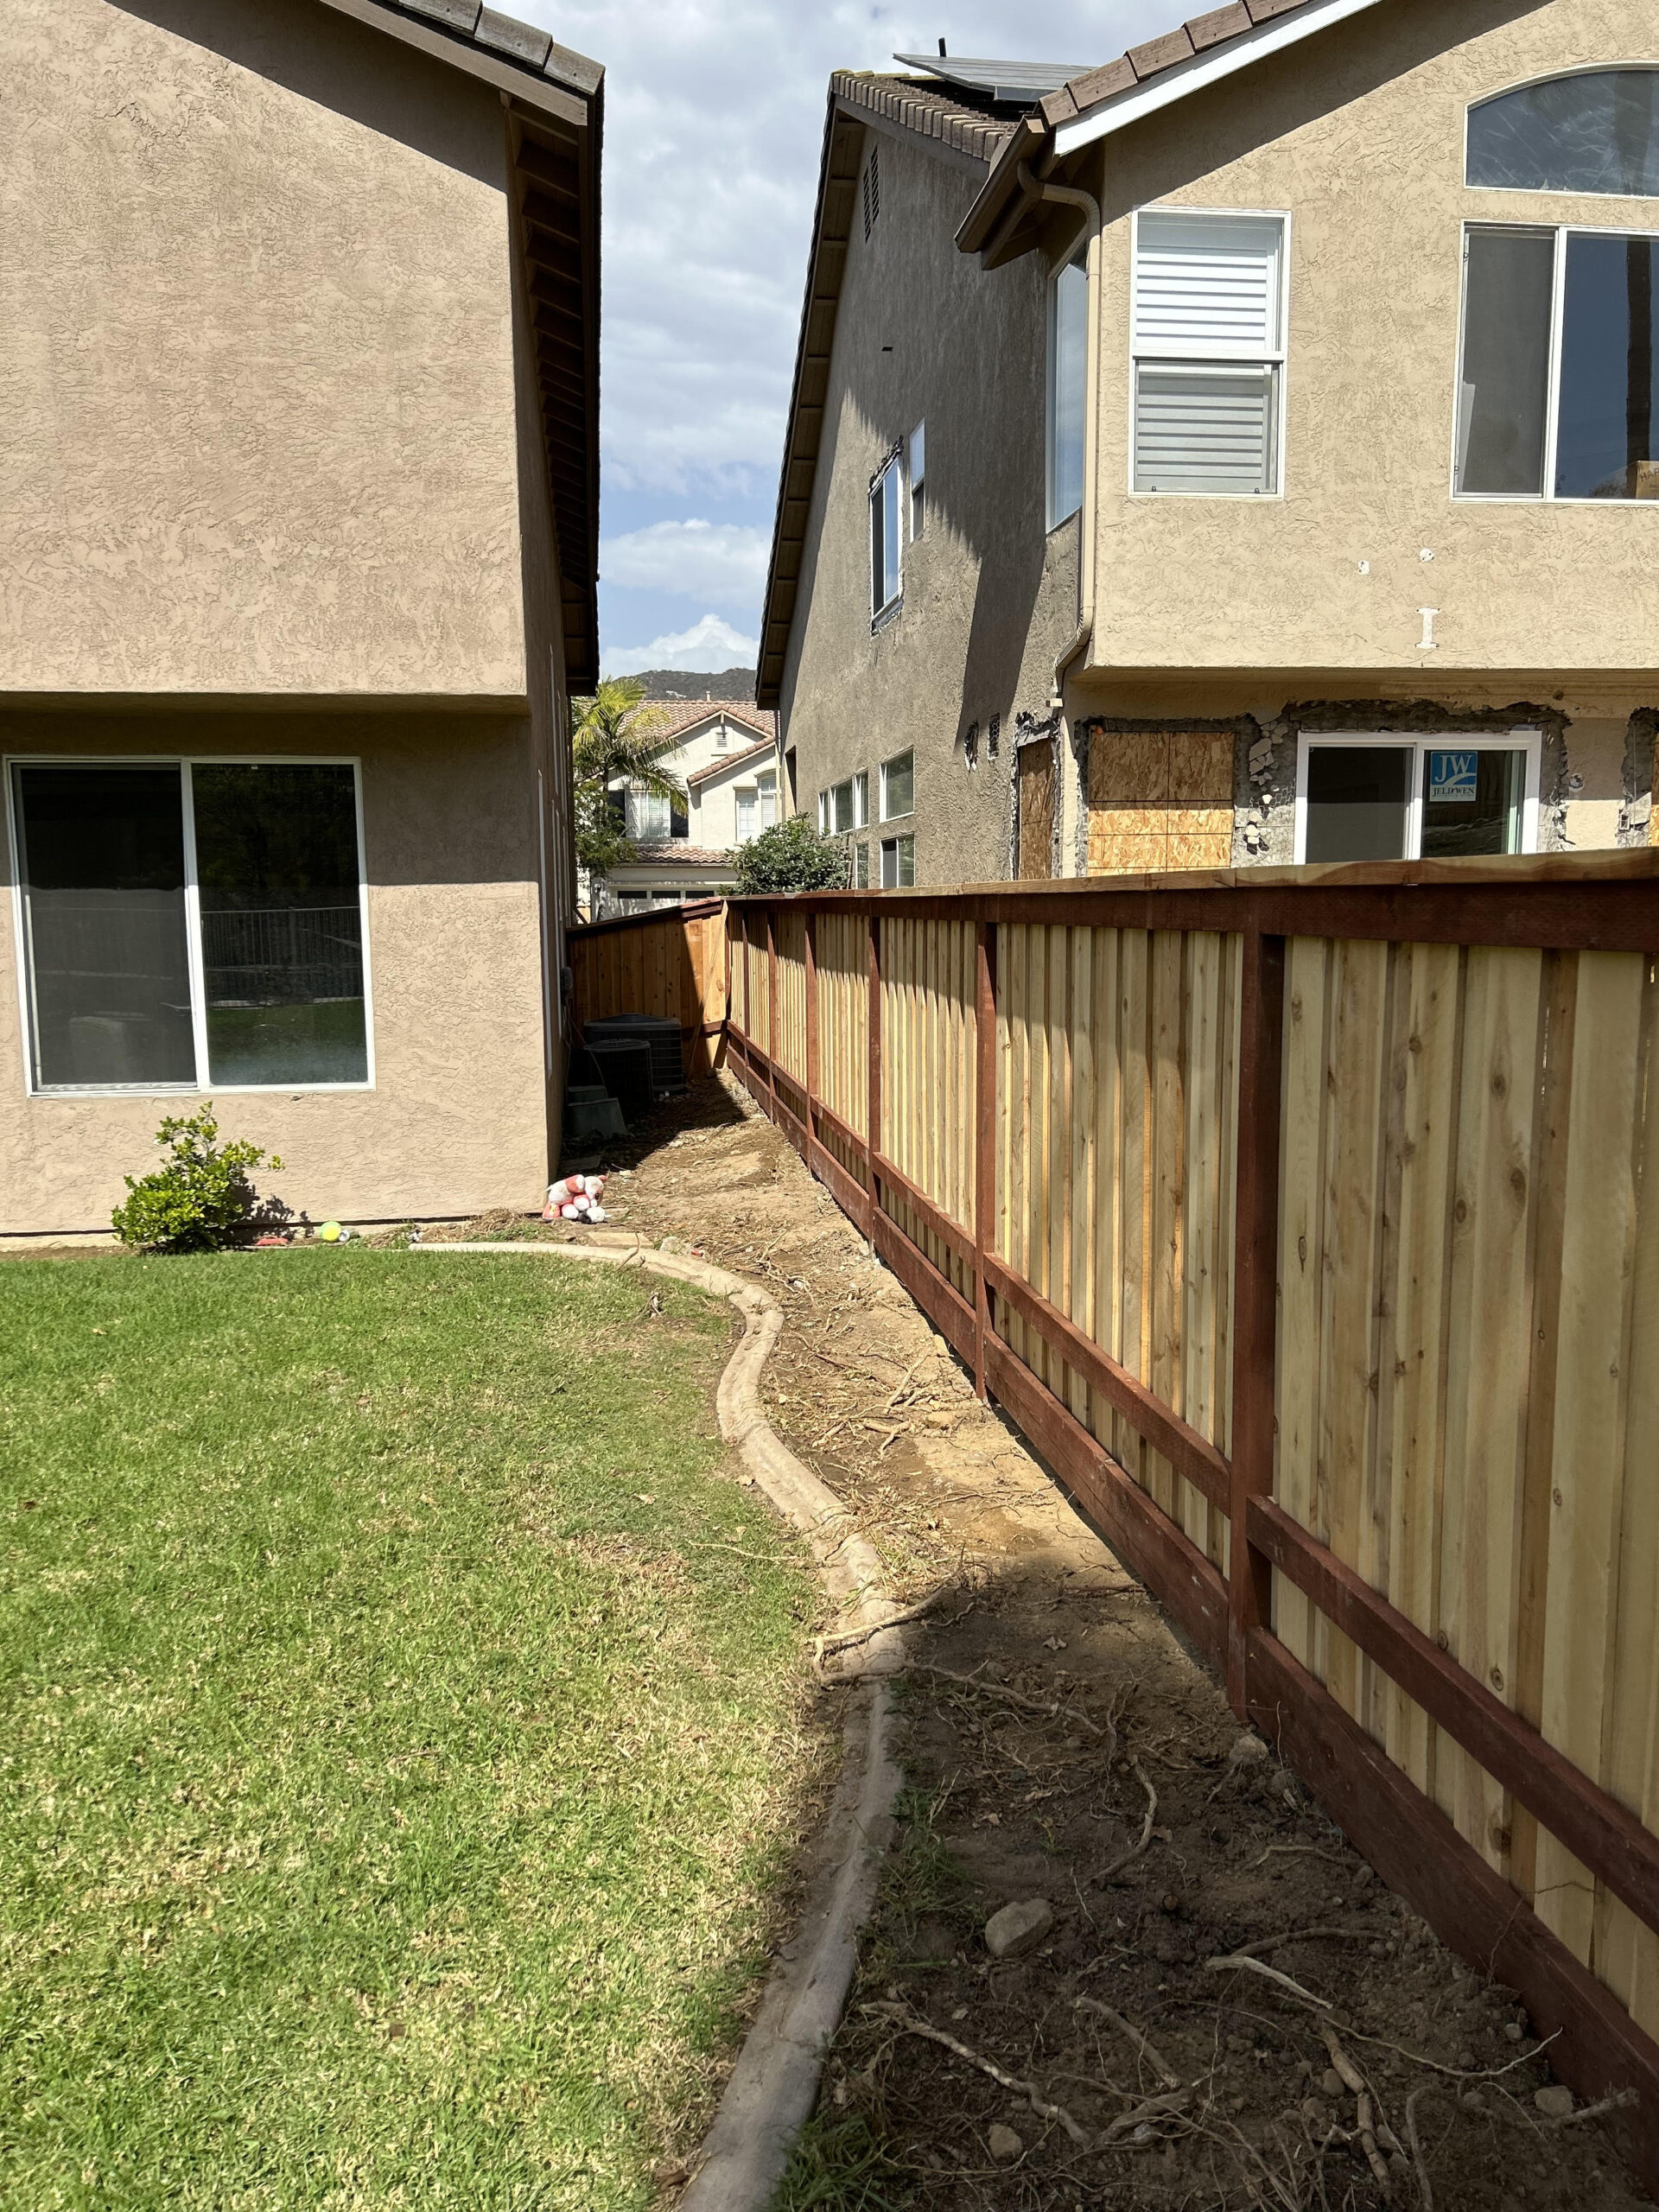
column 357, row 72
column 444, row 795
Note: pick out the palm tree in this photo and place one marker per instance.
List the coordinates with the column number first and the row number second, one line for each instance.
column 614, row 740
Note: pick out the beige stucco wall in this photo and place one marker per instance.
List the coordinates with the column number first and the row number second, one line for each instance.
column 1359, row 135
column 456, row 1119
column 989, row 598
column 256, row 427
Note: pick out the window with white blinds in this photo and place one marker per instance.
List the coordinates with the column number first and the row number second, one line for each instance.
column 1208, row 323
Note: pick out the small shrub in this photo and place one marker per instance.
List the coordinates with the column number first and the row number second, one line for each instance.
column 790, row 857
column 201, row 1200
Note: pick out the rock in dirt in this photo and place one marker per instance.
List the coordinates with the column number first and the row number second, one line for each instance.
column 1002, row 2143
column 1018, row 1926
column 1330, row 2082
column 1555, row 2102
column 1249, row 1750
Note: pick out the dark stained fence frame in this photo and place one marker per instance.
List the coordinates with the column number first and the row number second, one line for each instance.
column 1228, row 1618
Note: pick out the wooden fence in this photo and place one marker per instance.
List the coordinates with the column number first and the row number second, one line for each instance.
column 1307, row 1222
column 669, row 960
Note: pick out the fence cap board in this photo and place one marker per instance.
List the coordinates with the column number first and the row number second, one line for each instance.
column 692, row 910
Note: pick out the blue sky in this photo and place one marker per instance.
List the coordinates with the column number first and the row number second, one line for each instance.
column 714, row 122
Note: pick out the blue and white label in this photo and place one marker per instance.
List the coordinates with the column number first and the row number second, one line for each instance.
column 1451, row 778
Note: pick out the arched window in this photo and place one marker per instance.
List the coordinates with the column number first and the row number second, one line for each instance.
column 1597, row 132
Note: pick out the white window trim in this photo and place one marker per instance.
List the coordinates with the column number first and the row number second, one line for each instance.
column 1051, row 522
column 1279, row 359
column 862, row 799
column 887, row 813
column 184, row 762
column 1564, row 231
column 895, row 467
column 1522, row 738
column 1548, row 191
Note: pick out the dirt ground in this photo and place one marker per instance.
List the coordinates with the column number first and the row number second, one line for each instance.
column 1222, row 2006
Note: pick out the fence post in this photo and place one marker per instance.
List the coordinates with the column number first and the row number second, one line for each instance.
column 984, row 1134
column 872, row 1125
column 773, row 1055
column 1262, row 1018
column 748, row 1024
column 811, row 926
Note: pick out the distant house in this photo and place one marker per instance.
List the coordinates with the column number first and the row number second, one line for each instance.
column 725, row 754
column 301, row 454
column 1246, row 450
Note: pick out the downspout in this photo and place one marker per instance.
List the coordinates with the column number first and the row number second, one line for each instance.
column 1067, row 195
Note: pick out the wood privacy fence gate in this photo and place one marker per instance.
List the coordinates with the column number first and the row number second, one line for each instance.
column 669, row 960
column 1308, row 1225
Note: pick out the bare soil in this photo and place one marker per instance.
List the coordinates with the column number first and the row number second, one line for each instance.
column 1226, row 2008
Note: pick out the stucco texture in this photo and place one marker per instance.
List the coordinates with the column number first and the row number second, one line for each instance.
column 456, row 1119
column 1358, row 133
column 256, row 421
column 989, row 598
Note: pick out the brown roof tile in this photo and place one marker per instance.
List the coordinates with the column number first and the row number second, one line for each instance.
column 928, row 110
column 1218, row 26
column 1160, row 54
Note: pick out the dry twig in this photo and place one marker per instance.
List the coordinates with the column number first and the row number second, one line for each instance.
column 1240, row 1962
column 1144, row 2045
column 1419, row 2163
column 1355, row 2083
column 909, row 2024
column 1145, row 1837
column 1617, row 2102
column 843, row 1639
column 1009, row 1696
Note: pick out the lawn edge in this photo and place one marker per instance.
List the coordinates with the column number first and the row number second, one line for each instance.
column 774, row 2085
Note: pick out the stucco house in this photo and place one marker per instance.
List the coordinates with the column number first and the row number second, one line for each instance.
column 724, row 753
column 300, row 455
column 1246, row 450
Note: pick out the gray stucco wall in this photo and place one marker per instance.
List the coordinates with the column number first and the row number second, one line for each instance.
column 989, row 597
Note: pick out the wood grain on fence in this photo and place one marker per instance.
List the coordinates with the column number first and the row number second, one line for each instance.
column 1420, row 1102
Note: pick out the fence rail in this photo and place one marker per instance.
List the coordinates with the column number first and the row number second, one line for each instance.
column 1308, row 1224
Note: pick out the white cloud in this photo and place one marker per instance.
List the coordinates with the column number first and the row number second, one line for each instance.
column 720, row 563
column 709, row 646
column 714, row 121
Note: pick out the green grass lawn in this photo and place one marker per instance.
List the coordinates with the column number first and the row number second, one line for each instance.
column 404, row 1730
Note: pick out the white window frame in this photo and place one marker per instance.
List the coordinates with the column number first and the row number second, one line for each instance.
column 894, row 466
column 745, row 797
column 1053, row 521
column 824, row 813
column 1547, row 191
column 862, row 799
column 887, row 814
column 766, row 787
column 916, row 481
column 1279, row 359
column 1420, row 744
column 892, row 845
column 1564, row 231
column 203, row 1086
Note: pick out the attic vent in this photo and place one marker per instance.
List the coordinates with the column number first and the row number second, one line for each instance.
column 872, row 190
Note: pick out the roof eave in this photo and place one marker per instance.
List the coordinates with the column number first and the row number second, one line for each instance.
column 563, row 86
column 1063, row 125
column 1176, row 82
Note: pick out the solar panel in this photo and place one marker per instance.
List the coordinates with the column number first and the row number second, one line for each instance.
column 1013, row 81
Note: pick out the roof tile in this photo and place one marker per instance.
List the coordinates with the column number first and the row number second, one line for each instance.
column 1263, row 11
column 1100, row 84
column 508, row 36
column 1160, row 54
column 1221, row 24
column 458, row 15
column 925, row 108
